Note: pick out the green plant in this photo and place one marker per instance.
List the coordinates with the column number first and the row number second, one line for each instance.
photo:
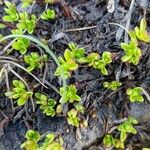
column 26, row 22
column 112, row 85
column 20, row 44
column 32, row 138
column 69, row 94
column 132, row 52
column 48, row 14
column 51, row 142
column 34, row 60
column 50, row 1
column 135, row 94
column 141, row 31
column 67, row 64
column 26, row 3
column 76, row 52
column 19, row 92
column 79, row 107
column 92, row 58
column 109, row 141
column 100, row 64
column 72, row 118
column 46, row 105
column 127, row 127
column 146, row 149
column 12, row 14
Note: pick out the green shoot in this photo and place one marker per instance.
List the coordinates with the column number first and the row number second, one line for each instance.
column 21, row 44
column 100, row 64
column 51, row 142
column 109, row 141
column 127, row 127
column 26, row 3
column 19, row 93
column 132, row 52
column 48, row 14
column 114, row 85
column 79, row 107
column 26, row 23
column 135, row 94
column 46, row 105
column 34, row 60
column 76, row 52
column 32, row 138
column 70, row 94
column 67, row 64
column 141, row 31
column 72, row 118
column 12, row 14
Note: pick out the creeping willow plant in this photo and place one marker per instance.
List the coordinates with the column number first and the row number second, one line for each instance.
column 51, row 142
column 19, row 93
column 112, row 85
column 73, row 118
column 12, row 14
column 109, row 141
column 46, row 105
column 32, row 138
column 124, row 128
column 26, row 3
column 48, row 14
column 135, row 94
column 70, row 94
column 34, row 60
column 21, row 44
column 127, row 127
column 141, row 31
column 132, row 52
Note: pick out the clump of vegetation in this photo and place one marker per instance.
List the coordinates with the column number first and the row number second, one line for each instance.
column 48, row 14
column 32, row 140
column 34, row 60
column 46, row 105
column 114, row 85
column 26, row 23
column 69, row 94
column 132, row 52
column 141, row 32
column 21, row 44
column 73, row 118
column 26, row 3
column 51, row 142
column 124, row 128
column 127, row 127
column 19, row 92
column 11, row 12
column 109, row 141
column 68, row 64
column 135, row 94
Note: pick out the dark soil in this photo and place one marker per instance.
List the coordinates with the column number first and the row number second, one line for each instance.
column 104, row 109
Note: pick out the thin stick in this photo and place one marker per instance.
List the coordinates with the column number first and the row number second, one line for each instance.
column 119, row 26
column 146, row 93
column 80, row 29
column 19, row 66
column 8, row 89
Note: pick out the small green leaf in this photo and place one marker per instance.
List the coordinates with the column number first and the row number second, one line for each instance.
column 33, row 135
